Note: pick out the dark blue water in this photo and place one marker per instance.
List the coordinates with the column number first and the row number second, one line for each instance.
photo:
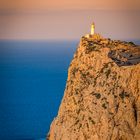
column 32, row 83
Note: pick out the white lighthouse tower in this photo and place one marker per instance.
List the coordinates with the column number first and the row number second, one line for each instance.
column 92, row 29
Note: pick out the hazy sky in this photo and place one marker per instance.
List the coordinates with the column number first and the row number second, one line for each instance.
column 68, row 19
column 69, row 4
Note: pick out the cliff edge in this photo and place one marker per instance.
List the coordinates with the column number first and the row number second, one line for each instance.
column 102, row 94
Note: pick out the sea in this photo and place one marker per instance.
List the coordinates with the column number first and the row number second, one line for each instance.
column 33, row 77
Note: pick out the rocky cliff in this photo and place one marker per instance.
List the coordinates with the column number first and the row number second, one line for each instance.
column 102, row 95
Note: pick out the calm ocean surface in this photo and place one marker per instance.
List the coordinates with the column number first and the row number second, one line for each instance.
column 32, row 82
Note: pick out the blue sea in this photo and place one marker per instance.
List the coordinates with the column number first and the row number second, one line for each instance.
column 32, row 81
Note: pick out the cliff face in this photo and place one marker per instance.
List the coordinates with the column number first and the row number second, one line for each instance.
column 102, row 95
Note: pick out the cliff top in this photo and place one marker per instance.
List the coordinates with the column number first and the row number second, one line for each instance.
column 122, row 52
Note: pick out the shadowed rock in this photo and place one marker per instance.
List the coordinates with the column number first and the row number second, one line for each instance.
column 126, row 57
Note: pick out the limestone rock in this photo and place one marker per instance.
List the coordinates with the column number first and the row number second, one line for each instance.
column 102, row 95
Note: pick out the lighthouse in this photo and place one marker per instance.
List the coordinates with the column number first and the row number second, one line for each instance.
column 92, row 29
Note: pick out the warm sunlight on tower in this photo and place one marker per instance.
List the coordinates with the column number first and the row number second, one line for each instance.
column 92, row 28
column 92, row 31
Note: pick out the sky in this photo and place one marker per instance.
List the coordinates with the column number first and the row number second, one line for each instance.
column 68, row 19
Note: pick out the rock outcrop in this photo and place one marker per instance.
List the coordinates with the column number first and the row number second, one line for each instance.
column 102, row 95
